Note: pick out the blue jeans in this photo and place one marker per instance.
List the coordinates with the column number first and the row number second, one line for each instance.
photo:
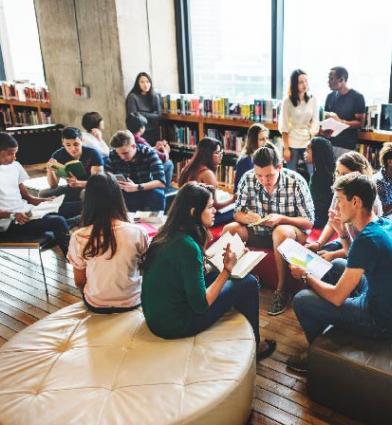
column 242, row 294
column 168, row 169
column 315, row 314
column 148, row 200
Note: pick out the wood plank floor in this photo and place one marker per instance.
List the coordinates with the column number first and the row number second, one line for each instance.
column 280, row 396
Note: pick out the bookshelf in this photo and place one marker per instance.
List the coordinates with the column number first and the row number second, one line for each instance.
column 17, row 113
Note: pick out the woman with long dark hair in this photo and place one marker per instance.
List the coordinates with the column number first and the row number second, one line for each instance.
column 105, row 252
column 178, row 298
column 298, row 119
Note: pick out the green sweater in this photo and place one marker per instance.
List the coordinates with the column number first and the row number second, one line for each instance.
column 173, row 287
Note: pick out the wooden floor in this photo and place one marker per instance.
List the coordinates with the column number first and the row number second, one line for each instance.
column 280, row 395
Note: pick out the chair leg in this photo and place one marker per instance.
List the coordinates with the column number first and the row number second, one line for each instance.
column 43, row 273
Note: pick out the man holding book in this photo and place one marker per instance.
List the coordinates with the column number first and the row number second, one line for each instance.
column 273, row 204
column 356, row 295
column 140, row 172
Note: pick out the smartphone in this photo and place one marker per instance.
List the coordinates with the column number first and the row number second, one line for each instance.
column 120, row 177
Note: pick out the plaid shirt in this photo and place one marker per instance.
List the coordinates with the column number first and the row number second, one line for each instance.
column 384, row 186
column 144, row 167
column 291, row 198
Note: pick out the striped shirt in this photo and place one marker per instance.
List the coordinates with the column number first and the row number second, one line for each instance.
column 291, row 197
column 144, row 167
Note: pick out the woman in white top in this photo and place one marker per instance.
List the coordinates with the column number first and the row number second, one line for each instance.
column 105, row 253
column 93, row 123
column 298, row 120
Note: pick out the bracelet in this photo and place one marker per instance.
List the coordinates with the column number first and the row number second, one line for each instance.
column 227, row 270
column 304, row 277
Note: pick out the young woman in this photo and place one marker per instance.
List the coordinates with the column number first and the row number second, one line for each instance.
column 346, row 163
column 106, row 251
column 93, row 123
column 319, row 153
column 202, row 169
column 298, row 120
column 257, row 136
column 178, row 299
column 383, row 179
column 142, row 98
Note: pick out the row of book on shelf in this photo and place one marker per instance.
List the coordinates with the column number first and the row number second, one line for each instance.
column 23, row 91
column 371, row 152
column 24, row 117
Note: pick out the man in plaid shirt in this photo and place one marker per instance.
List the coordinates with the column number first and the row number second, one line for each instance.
column 142, row 170
column 273, row 203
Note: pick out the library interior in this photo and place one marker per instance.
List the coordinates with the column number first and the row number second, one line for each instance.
column 245, row 145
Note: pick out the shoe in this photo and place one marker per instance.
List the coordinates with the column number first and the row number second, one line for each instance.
column 279, row 303
column 298, row 363
column 260, row 355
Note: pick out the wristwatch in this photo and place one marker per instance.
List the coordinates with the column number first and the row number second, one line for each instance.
column 304, row 277
column 140, row 187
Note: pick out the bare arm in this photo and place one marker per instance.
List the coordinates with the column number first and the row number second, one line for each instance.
column 80, row 278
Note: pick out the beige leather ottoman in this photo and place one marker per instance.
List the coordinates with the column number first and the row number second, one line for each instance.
column 75, row 367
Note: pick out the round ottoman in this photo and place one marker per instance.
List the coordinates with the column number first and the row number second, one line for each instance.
column 76, row 367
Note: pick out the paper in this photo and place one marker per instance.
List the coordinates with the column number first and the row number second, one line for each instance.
column 152, row 217
column 40, row 210
column 296, row 254
column 332, row 124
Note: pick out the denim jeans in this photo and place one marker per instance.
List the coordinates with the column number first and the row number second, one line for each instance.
column 168, row 168
column 315, row 314
column 242, row 294
column 108, row 310
column 296, row 155
column 148, row 200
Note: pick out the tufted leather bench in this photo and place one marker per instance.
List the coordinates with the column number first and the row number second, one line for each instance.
column 352, row 375
column 75, row 367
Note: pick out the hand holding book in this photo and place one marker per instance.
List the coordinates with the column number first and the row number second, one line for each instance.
column 229, row 259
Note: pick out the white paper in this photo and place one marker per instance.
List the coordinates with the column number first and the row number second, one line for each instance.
column 152, row 217
column 332, row 124
column 222, row 196
column 40, row 210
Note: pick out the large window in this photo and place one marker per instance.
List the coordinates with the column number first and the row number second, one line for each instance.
column 231, row 47
column 354, row 34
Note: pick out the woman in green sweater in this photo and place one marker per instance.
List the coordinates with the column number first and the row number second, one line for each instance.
column 178, row 299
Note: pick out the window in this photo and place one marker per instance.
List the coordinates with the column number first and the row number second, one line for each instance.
column 353, row 34
column 20, row 41
column 231, row 47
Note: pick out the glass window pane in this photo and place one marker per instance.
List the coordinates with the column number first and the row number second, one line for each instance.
column 231, row 47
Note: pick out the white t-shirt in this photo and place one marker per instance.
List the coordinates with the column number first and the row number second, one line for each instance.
column 91, row 141
column 11, row 176
column 114, row 282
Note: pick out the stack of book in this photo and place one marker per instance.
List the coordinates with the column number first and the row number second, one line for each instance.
column 23, row 91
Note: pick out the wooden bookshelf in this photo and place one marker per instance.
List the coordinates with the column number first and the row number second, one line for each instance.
column 17, row 106
column 376, row 136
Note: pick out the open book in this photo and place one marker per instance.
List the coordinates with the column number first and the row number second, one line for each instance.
column 153, row 217
column 46, row 207
column 74, row 167
column 223, row 196
column 296, row 254
column 246, row 260
column 331, row 124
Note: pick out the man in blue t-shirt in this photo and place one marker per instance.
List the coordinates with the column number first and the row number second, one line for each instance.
column 347, row 106
column 358, row 295
column 73, row 150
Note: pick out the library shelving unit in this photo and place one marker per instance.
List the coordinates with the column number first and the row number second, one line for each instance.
column 17, row 113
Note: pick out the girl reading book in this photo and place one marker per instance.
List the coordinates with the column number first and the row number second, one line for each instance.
column 179, row 299
column 105, row 252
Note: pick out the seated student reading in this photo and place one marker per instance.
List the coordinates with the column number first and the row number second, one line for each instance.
column 273, row 204
column 106, row 251
column 383, row 179
column 346, row 163
column 140, row 170
column 202, row 169
column 73, row 150
column 178, row 298
column 16, row 202
column 355, row 295
column 136, row 124
column 93, row 123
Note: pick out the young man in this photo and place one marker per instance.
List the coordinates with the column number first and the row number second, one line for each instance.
column 356, row 295
column 72, row 150
column 282, row 198
column 16, row 202
column 142, row 169
column 345, row 105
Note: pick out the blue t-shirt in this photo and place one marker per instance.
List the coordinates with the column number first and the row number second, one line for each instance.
column 371, row 250
column 244, row 164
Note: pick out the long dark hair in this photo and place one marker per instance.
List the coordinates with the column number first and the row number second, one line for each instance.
column 293, row 88
column 136, row 87
column 252, row 138
column 355, row 161
column 202, row 156
column 323, row 160
column 103, row 202
column 185, row 216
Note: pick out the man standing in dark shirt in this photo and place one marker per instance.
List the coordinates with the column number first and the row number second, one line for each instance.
column 347, row 106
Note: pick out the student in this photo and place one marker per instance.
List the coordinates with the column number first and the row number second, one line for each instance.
column 257, row 136
column 178, row 299
column 16, row 202
column 319, row 153
column 202, row 168
column 73, row 149
column 298, row 120
column 143, row 170
column 136, row 124
column 93, row 123
column 280, row 196
column 105, row 252
column 355, row 296
column 142, row 98
column 347, row 163
column 383, row 179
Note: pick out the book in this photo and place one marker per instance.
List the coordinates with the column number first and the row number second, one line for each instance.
column 74, row 167
column 331, row 124
column 296, row 254
column 246, row 260
column 152, row 217
column 46, row 207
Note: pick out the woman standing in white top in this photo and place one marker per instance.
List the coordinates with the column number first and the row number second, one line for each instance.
column 93, row 123
column 298, row 120
column 105, row 253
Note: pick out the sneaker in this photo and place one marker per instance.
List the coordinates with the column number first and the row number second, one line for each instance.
column 271, row 346
column 279, row 303
column 298, row 363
